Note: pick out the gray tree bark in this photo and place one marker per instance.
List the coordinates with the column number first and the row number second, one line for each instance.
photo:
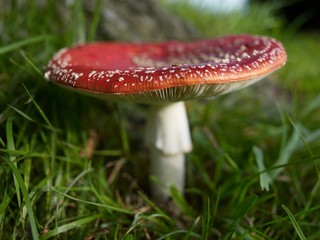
column 139, row 20
column 123, row 20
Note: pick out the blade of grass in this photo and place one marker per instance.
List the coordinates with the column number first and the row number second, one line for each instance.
column 22, row 114
column 75, row 224
column 2, row 142
column 206, row 220
column 231, row 162
column 128, row 237
column 26, row 175
column 298, row 128
column 33, row 66
column 39, row 109
column 95, row 20
column 167, row 236
column 11, row 147
column 265, row 179
column 5, row 202
column 285, row 153
column 156, row 208
column 49, row 169
column 201, row 169
column 116, row 232
column 136, row 221
column 109, row 207
column 60, row 202
column 22, row 43
column 32, row 219
column 181, row 202
column 216, row 205
column 123, row 132
column 285, row 218
column 312, row 106
column 3, row 206
column 193, row 228
column 79, row 22
column 243, row 209
column 114, row 153
column 294, row 223
column 24, row 153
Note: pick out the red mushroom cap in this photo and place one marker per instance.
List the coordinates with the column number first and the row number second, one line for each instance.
column 168, row 71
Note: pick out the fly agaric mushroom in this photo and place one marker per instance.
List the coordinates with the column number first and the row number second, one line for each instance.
column 165, row 75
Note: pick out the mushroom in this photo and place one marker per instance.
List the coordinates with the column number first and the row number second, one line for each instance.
column 165, row 75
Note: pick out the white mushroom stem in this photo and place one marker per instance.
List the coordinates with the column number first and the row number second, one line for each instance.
column 168, row 137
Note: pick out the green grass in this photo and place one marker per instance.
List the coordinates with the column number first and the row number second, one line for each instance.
column 71, row 166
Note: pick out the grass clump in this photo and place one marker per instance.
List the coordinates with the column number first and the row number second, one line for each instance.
column 73, row 167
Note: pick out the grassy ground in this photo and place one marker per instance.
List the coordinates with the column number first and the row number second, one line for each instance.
column 73, row 167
